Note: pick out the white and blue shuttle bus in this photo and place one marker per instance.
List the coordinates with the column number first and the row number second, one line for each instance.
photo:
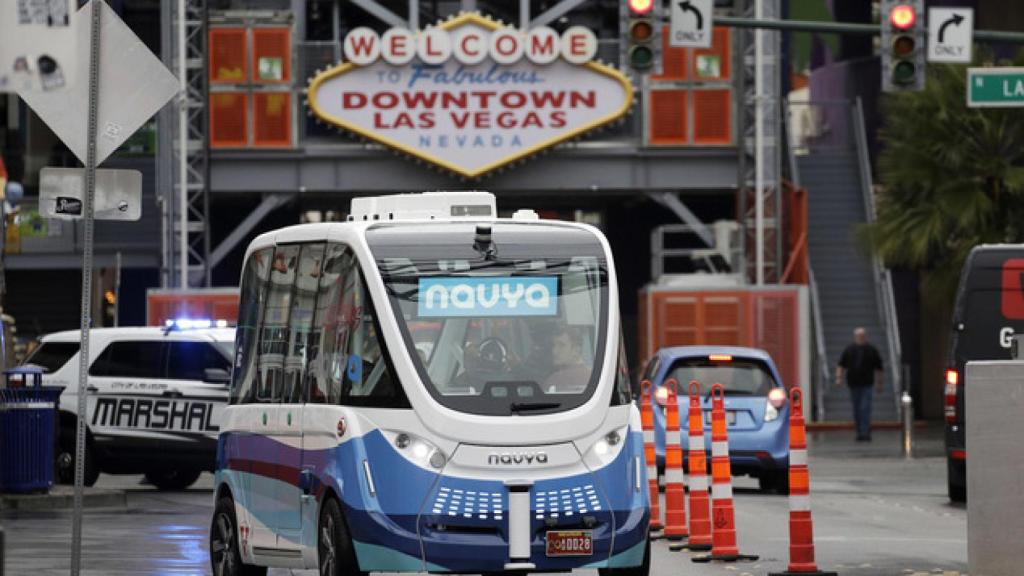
column 430, row 388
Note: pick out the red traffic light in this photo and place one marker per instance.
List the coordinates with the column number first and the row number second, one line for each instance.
column 902, row 16
column 641, row 6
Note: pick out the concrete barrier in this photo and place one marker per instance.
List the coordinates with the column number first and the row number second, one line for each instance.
column 995, row 467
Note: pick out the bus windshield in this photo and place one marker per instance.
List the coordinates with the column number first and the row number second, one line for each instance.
column 515, row 326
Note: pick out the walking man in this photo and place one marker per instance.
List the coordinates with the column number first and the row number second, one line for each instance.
column 861, row 368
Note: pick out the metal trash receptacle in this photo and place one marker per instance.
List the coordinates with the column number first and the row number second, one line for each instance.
column 27, row 431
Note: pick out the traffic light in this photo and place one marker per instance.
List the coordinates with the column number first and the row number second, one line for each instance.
column 643, row 34
column 903, row 38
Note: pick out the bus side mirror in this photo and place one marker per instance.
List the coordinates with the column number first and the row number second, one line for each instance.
column 216, row 376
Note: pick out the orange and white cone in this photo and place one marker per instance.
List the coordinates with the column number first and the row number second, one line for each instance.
column 675, row 488
column 700, row 503
column 723, row 525
column 801, row 531
column 650, row 454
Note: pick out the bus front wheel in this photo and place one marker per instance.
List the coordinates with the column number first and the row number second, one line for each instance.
column 225, row 555
column 642, row 570
column 334, row 545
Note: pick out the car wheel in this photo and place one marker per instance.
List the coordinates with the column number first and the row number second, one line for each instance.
column 64, row 464
column 774, row 481
column 644, row 569
column 956, row 480
column 173, row 478
column 225, row 554
column 336, row 554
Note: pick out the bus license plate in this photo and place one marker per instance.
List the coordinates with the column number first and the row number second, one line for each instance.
column 730, row 417
column 570, row 543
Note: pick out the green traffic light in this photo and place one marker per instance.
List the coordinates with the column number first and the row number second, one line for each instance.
column 903, row 72
column 641, row 57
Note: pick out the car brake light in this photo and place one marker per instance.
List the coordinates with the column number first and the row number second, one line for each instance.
column 777, row 397
column 661, row 395
column 952, row 383
column 720, row 357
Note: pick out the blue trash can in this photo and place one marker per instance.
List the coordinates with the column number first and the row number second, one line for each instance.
column 27, row 431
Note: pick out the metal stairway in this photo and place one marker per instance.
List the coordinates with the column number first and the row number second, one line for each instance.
column 851, row 290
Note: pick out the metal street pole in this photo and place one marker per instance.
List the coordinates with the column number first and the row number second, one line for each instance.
column 759, row 147
column 182, row 150
column 83, row 356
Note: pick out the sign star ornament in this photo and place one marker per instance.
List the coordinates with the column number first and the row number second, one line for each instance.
column 470, row 95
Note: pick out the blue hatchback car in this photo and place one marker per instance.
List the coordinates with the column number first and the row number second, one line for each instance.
column 756, row 403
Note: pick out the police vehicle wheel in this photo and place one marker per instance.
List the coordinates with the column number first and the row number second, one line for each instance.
column 173, row 478
column 65, row 462
column 642, row 570
column 334, row 546
column 225, row 554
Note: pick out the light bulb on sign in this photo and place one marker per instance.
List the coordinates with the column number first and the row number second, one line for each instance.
column 641, row 6
column 902, row 16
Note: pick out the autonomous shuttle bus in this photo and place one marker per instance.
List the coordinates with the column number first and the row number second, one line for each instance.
column 430, row 388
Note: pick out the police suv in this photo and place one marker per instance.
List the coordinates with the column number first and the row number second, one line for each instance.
column 154, row 403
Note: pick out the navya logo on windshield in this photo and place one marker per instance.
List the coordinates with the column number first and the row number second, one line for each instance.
column 502, row 296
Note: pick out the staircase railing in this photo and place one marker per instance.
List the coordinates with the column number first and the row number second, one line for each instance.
column 824, row 377
column 883, row 277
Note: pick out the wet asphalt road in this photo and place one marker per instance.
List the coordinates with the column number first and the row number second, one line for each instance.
column 875, row 514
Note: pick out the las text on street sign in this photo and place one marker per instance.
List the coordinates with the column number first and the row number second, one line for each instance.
column 470, row 95
column 1001, row 87
column 37, row 44
column 950, row 34
column 134, row 84
column 690, row 23
column 118, row 194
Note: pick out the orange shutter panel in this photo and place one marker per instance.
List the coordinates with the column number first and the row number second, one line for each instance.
column 227, row 55
column 228, row 120
column 271, row 55
column 668, row 117
column 712, row 116
column 714, row 63
column 673, row 60
column 272, row 119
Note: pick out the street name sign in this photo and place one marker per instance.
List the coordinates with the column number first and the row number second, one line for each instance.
column 690, row 23
column 118, row 194
column 999, row 87
column 37, row 44
column 950, row 34
column 134, row 84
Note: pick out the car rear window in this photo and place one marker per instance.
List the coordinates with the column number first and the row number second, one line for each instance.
column 739, row 376
column 52, row 356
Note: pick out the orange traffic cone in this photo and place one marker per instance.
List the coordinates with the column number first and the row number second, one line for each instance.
column 723, row 532
column 650, row 454
column 801, row 531
column 675, row 490
column 700, row 505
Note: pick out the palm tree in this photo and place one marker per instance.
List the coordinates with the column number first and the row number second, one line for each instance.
column 952, row 177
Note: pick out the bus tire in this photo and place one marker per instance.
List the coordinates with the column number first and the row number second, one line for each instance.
column 643, row 569
column 225, row 554
column 335, row 553
column 173, row 478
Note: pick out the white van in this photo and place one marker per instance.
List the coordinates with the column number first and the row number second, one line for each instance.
column 154, row 404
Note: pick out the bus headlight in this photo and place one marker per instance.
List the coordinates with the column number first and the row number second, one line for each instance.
column 418, row 450
column 606, row 448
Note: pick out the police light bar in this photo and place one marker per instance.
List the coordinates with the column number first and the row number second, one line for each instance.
column 190, row 323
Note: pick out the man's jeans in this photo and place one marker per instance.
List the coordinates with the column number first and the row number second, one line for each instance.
column 861, row 397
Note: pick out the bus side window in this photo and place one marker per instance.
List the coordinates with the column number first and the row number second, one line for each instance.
column 274, row 328
column 324, row 384
column 298, row 351
column 253, row 298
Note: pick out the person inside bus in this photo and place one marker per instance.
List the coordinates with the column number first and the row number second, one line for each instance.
column 570, row 374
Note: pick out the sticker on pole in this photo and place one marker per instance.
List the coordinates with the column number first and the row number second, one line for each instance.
column 62, row 194
column 508, row 296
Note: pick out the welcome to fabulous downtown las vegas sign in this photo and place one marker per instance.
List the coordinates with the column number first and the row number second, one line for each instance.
column 470, row 95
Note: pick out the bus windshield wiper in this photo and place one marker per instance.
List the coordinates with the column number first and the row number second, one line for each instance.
column 530, row 406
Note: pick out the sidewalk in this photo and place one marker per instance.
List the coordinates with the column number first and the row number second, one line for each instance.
column 62, row 497
column 929, row 442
